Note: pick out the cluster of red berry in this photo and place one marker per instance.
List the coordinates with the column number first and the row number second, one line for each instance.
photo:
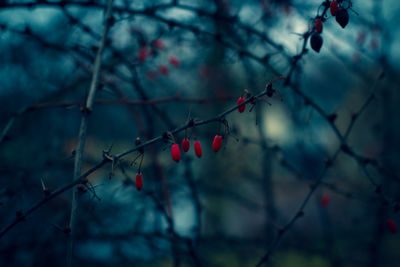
column 144, row 52
column 337, row 10
column 216, row 145
column 176, row 152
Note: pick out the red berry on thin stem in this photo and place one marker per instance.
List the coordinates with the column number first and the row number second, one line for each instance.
column 240, row 101
column 139, row 181
column 175, row 153
column 325, row 200
column 185, row 145
column 334, row 8
column 391, row 225
column 318, row 25
column 216, row 145
column 197, row 149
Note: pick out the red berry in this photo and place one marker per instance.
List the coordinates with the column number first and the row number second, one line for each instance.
column 216, row 145
column 185, row 145
column 197, row 149
column 175, row 153
column 143, row 53
column 163, row 69
column 139, row 181
column 240, row 101
column 325, row 200
column 318, row 25
column 391, row 225
column 159, row 44
column 334, row 8
column 174, row 61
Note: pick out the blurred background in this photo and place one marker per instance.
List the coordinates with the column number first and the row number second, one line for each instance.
column 168, row 61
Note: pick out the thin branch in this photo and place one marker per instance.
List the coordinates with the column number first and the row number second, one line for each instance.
column 114, row 158
column 300, row 212
column 83, row 129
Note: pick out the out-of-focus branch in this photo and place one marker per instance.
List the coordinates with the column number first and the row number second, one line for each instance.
column 300, row 212
column 154, row 101
column 83, row 129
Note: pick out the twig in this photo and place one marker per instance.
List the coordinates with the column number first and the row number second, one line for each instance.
column 114, row 158
column 300, row 212
column 83, row 129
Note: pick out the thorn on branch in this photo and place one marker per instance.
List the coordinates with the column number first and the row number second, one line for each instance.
column 168, row 136
column 107, row 156
column 46, row 191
